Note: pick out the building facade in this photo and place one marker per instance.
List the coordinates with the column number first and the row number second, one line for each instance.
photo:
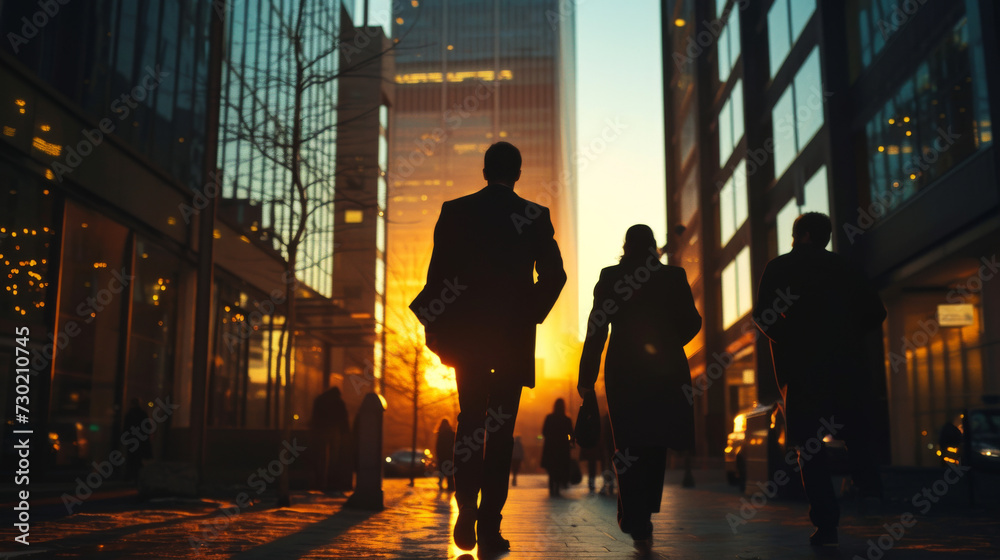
column 113, row 146
column 469, row 74
column 877, row 113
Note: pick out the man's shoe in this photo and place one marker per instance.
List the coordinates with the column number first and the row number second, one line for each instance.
column 493, row 544
column 824, row 536
column 643, row 546
column 465, row 529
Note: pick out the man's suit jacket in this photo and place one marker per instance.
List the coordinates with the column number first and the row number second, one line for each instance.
column 816, row 310
column 481, row 304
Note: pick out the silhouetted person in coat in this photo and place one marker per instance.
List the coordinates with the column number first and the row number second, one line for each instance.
column 445, row 449
column 479, row 309
column 516, row 456
column 816, row 310
column 558, row 433
column 652, row 316
column 331, row 430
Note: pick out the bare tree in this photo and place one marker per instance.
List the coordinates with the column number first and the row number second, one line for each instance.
column 280, row 114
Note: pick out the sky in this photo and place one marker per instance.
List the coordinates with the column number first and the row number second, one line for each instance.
column 620, row 140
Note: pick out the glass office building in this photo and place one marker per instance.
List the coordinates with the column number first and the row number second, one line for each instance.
column 469, row 74
column 878, row 120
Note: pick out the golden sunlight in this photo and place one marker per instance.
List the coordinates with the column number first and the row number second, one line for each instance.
column 439, row 376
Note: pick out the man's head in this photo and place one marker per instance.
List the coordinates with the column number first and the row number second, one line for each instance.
column 811, row 228
column 502, row 164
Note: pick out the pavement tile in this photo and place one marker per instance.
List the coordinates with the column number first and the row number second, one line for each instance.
column 417, row 524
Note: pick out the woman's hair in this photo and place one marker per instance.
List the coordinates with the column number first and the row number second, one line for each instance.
column 559, row 407
column 444, row 423
column 639, row 241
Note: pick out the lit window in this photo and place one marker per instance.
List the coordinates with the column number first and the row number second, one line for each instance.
column 737, row 289
column 353, row 216
column 816, row 199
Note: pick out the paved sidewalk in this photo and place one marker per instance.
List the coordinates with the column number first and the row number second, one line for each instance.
column 417, row 524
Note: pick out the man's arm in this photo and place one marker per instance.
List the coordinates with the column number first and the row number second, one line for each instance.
column 687, row 319
column 442, row 256
column 549, row 265
column 770, row 324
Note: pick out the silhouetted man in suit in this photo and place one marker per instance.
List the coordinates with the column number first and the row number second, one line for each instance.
column 816, row 310
column 480, row 308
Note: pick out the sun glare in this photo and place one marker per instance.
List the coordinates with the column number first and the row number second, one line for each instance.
column 440, row 376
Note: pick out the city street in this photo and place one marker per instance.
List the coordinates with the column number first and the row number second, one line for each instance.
column 693, row 523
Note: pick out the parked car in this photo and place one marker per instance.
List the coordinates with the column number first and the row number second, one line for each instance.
column 972, row 439
column 409, row 462
column 736, row 467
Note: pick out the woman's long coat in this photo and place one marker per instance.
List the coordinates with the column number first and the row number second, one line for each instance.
column 651, row 312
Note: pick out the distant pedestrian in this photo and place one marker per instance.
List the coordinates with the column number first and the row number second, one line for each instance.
column 515, row 459
column 445, row 449
column 558, row 434
column 330, row 428
column 652, row 314
column 137, row 454
column 593, row 456
column 817, row 310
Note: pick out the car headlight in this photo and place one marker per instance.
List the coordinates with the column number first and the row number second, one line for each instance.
column 989, row 451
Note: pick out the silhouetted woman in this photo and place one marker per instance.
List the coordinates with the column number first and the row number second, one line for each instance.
column 445, row 449
column 558, row 434
column 652, row 313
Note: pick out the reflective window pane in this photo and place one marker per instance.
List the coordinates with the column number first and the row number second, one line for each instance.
column 783, row 123
column 778, row 34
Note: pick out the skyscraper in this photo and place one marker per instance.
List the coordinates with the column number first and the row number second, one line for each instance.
column 877, row 113
column 468, row 74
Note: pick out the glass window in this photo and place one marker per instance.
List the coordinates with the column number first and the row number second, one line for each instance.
column 732, row 205
column 728, row 46
column 737, row 289
column 798, row 114
column 785, row 21
column 937, row 119
column 816, row 195
column 783, row 124
column 93, row 288
column 731, row 123
column 725, row 132
column 801, row 12
column 779, row 41
column 726, row 213
column 808, row 100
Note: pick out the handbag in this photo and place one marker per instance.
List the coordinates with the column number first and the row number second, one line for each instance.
column 588, row 422
column 575, row 474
